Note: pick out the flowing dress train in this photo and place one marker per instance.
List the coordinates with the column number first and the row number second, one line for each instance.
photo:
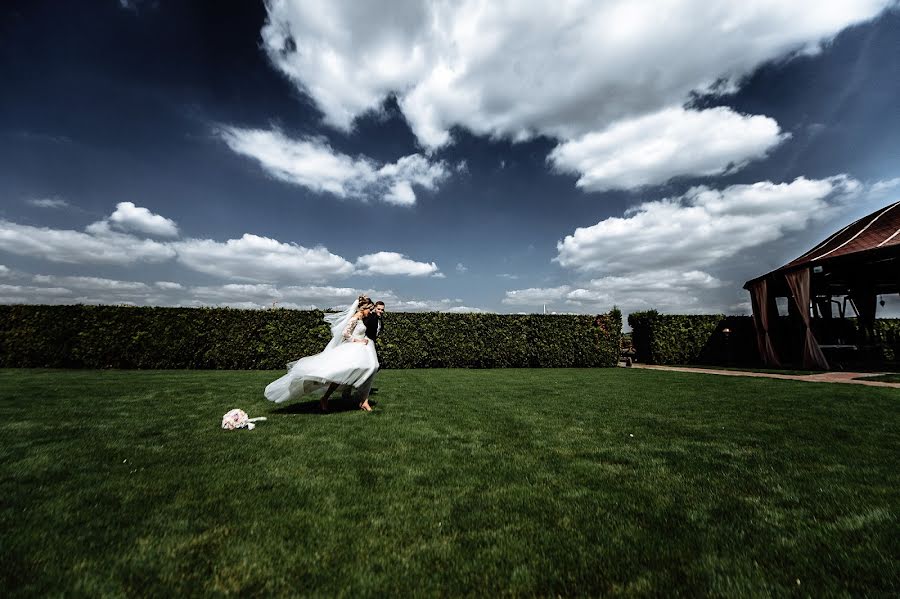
column 350, row 362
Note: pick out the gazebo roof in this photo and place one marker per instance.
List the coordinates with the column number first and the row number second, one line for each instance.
column 869, row 247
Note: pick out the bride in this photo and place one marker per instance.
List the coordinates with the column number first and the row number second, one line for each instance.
column 348, row 359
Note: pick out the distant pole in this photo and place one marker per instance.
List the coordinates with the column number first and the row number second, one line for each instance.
column 545, row 308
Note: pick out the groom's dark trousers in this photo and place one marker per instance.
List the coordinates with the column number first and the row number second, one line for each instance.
column 374, row 327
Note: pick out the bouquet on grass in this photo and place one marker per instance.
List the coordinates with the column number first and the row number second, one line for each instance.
column 236, row 419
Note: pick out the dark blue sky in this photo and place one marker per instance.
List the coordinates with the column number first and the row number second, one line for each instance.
column 112, row 102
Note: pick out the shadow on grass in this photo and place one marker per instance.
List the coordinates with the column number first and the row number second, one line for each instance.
column 335, row 406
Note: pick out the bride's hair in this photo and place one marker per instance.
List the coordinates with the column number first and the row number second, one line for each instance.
column 365, row 303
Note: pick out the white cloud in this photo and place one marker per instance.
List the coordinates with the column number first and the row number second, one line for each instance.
column 461, row 268
column 98, row 246
column 310, row 163
column 48, row 203
column 745, row 308
column 129, row 217
column 323, row 294
column 886, row 186
column 5, row 271
column 392, row 263
column 691, row 253
column 664, row 290
column 91, row 283
column 66, row 289
column 250, row 258
column 53, row 289
column 702, row 227
column 401, row 194
column 313, row 164
column 417, row 169
column 397, row 303
column 561, row 69
column 255, row 258
column 535, row 296
column 652, row 149
column 465, row 310
column 232, row 294
column 267, row 296
column 25, row 294
column 57, row 289
column 426, row 305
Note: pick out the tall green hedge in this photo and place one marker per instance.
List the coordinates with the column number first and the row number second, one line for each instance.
column 223, row 338
column 701, row 339
column 692, row 339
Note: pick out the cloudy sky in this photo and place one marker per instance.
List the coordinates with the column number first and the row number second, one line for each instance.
column 471, row 155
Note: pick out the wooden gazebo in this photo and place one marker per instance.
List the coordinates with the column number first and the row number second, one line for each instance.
column 857, row 264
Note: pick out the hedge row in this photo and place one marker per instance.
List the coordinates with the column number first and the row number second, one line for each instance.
column 702, row 339
column 692, row 339
column 222, row 338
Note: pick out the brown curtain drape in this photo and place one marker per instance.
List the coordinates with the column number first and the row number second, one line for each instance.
column 798, row 283
column 759, row 298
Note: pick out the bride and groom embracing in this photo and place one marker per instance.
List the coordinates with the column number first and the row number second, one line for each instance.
column 349, row 360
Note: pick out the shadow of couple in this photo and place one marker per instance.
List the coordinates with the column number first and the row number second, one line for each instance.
column 335, row 405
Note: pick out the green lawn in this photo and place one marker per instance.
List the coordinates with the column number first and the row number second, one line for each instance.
column 520, row 482
column 885, row 378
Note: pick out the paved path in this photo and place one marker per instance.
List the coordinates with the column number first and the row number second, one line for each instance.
column 825, row 377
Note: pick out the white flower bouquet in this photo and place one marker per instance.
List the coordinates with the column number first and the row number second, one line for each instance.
column 237, row 418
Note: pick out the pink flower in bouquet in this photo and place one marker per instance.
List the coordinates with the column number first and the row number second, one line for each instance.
column 237, row 418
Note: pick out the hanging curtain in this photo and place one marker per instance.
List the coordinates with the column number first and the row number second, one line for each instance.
column 760, row 301
column 798, row 283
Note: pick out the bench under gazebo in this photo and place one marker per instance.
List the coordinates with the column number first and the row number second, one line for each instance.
column 849, row 269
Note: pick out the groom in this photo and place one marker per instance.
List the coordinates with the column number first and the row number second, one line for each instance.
column 374, row 327
column 374, row 323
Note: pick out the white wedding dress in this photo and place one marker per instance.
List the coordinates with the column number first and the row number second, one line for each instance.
column 347, row 360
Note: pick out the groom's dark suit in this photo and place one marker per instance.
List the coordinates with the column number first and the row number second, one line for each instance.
column 374, row 327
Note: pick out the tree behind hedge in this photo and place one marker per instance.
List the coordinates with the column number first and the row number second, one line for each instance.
column 223, row 338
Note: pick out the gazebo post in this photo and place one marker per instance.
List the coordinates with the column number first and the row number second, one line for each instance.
column 865, row 299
